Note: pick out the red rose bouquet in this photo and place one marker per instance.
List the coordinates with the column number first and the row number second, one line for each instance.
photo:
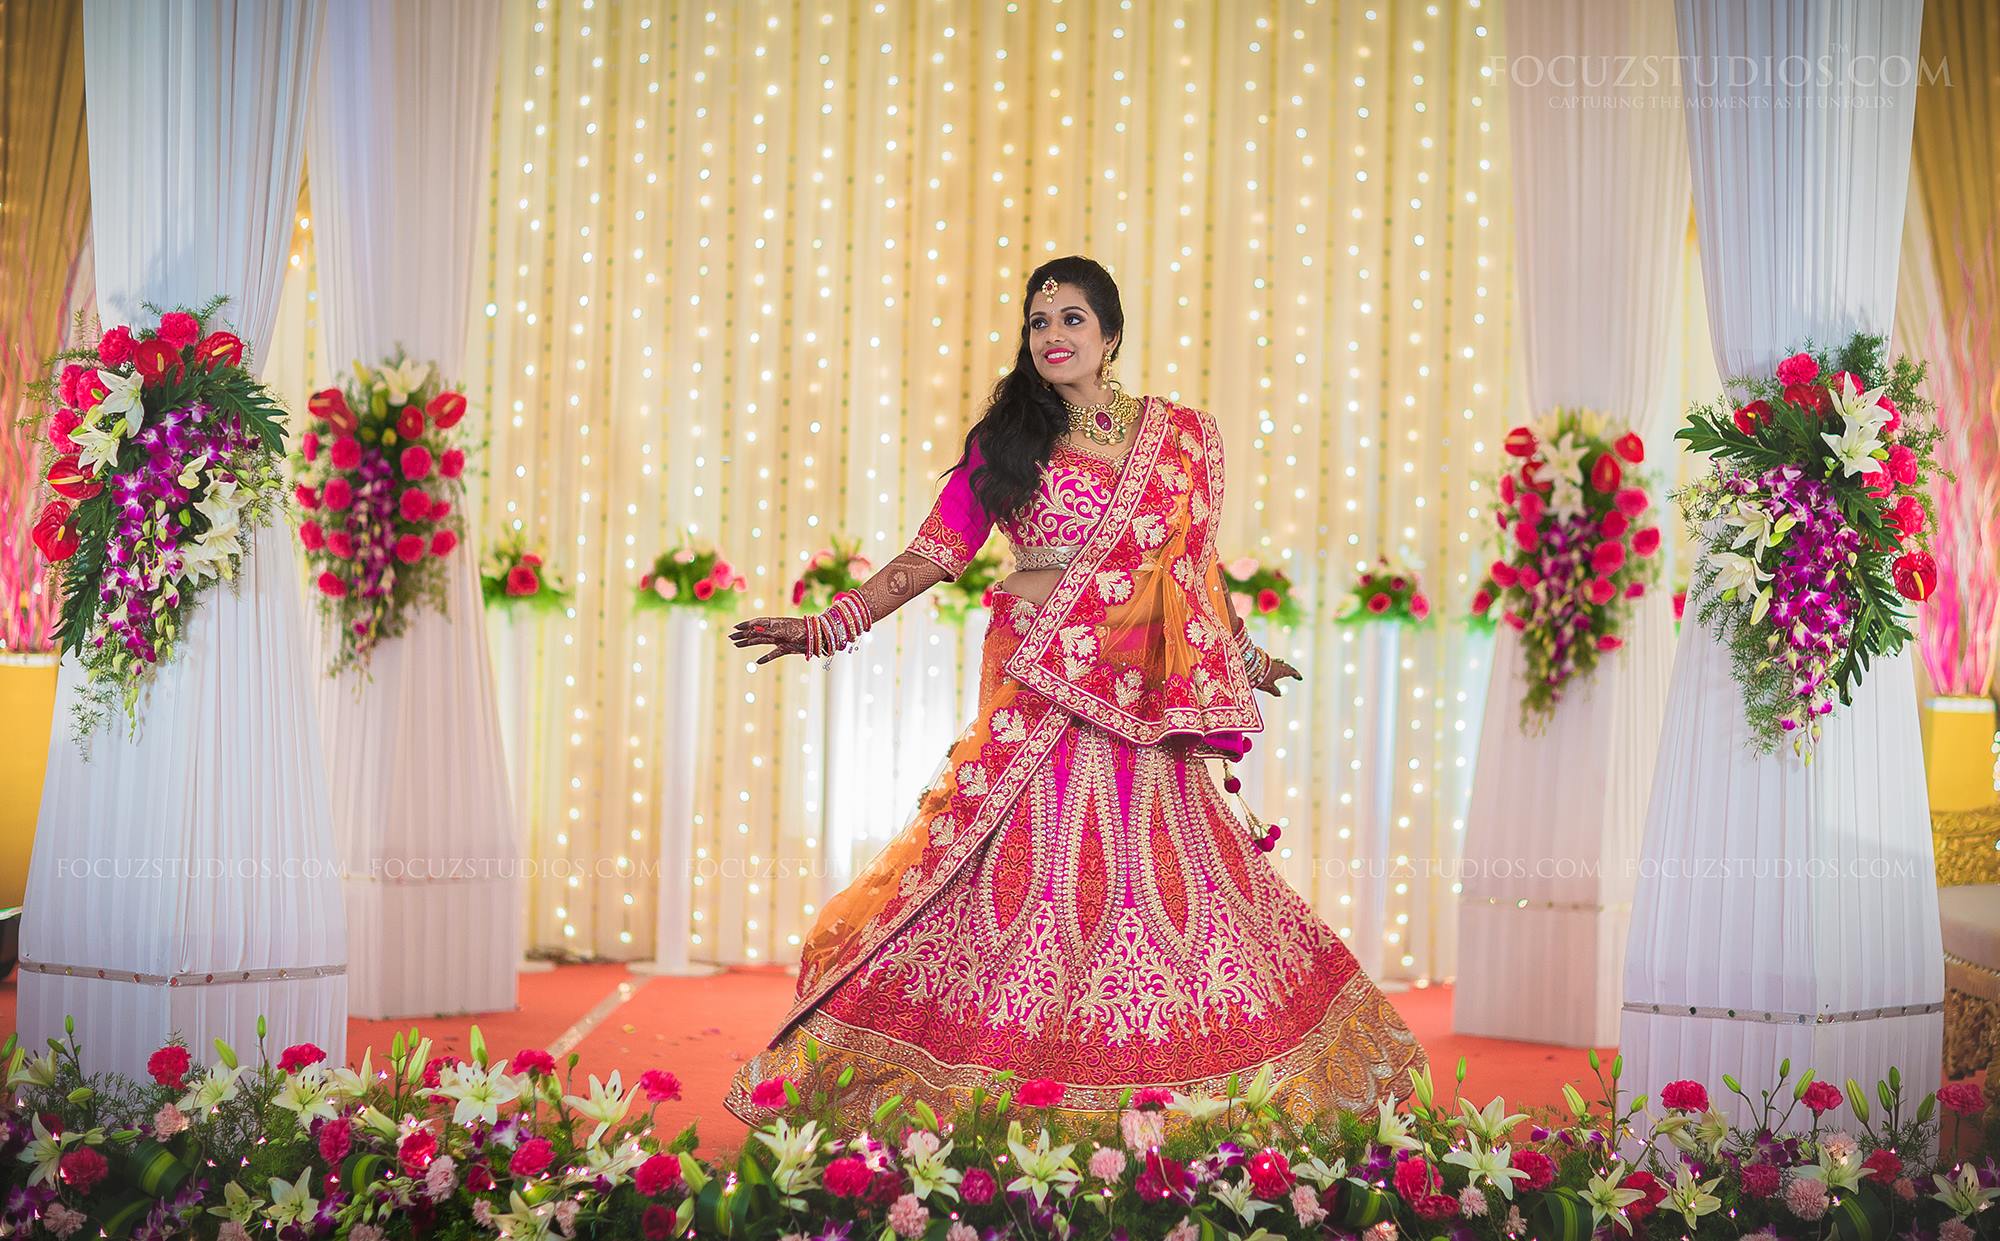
column 1388, row 592
column 1576, row 549
column 1261, row 591
column 514, row 577
column 1815, row 529
column 163, row 460
column 694, row 575
column 377, row 477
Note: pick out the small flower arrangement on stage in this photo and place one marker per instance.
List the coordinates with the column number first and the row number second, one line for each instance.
column 1262, row 591
column 956, row 598
column 429, row 1146
column 415, row 1146
column 1814, row 528
column 1575, row 552
column 830, row 571
column 694, row 575
column 513, row 577
column 163, row 460
column 377, row 480
column 1387, row 592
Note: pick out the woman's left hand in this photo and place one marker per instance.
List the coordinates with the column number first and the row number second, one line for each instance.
column 1280, row 670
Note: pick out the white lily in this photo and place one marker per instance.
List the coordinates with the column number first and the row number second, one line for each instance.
column 1198, row 1107
column 607, row 1104
column 44, row 1153
column 611, row 1163
column 1855, row 406
column 39, row 1071
column 1692, row 1197
column 1041, row 1166
column 237, row 1204
column 305, row 1094
column 797, row 1151
column 1318, row 1172
column 1735, row 572
column 1855, row 447
column 292, row 1201
column 402, row 380
column 216, row 1087
column 352, row 1083
column 1564, row 456
column 1491, row 1123
column 1842, row 1173
column 1492, row 1164
column 522, row 1222
column 931, row 1173
column 379, row 1123
column 1392, row 1130
column 97, row 447
column 1240, row 1199
column 1965, row 1195
column 1606, row 1199
column 1258, row 1093
column 478, row 1093
column 122, row 399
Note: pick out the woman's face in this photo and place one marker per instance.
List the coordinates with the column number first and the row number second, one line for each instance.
column 1065, row 337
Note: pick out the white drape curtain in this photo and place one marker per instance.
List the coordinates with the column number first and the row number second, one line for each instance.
column 422, row 811
column 1600, row 216
column 1785, row 910
column 183, row 879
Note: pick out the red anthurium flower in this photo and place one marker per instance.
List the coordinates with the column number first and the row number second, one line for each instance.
column 410, row 423
column 1520, row 442
column 52, row 535
column 1605, row 474
column 445, row 409
column 1809, row 396
column 1631, row 447
column 330, row 406
column 71, row 481
column 1916, row 576
column 219, row 349
column 158, row 362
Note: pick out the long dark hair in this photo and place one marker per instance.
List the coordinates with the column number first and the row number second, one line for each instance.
column 1024, row 417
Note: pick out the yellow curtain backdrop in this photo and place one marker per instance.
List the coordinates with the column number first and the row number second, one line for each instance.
column 44, row 215
column 753, row 266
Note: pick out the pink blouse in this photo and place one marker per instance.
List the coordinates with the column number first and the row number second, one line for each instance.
column 1074, row 490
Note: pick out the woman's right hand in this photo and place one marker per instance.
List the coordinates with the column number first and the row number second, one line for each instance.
column 785, row 635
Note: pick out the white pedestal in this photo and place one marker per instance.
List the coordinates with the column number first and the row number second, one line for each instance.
column 687, row 665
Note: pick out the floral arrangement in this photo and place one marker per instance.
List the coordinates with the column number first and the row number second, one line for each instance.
column 955, row 598
column 1574, row 554
column 1814, row 529
column 830, row 571
column 1387, row 592
column 377, row 477
column 1481, row 618
column 693, row 575
column 431, row 1146
column 512, row 577
column 163, row 459
column 421, row 1146
column 1262, row 591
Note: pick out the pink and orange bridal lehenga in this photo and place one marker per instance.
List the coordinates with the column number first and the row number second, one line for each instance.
column 1073, row 899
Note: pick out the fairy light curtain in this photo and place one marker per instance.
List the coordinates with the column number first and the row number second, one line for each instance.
column 751, row 269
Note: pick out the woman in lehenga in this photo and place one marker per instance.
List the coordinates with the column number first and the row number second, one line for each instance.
column 1074, row 900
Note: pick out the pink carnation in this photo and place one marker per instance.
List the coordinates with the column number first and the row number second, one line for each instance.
column 1152, row 1098
column 1806, row 1198
column 846, row 1177
column 337, row 494
column 532, row 1158
column 299, row 1056
column 114, row 348
column 336, row 1139
column 1608, row 557
column 1798, row 369
column 1964, row 1098
column 1821, row 1097
column 657, row 1175
column 1107, row 1163
column 1609, row 642
column 346, row 453
column 909, row 1216
column 769, row 1093
column 442, row 542
column 417, row 462
column 179, row 329
column 414, row 504
column 410, row 548
column 1041, row 1092
column 977, row 1188
column 1647, row 541
column 1685, row 1096
column 1760, row 1180
column 1540, row 1168
column 1601, row 591
column 660, row 1086
column 1631, row 501
column 532, row 1060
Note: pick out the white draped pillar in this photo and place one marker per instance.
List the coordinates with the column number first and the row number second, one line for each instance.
column 1552, row 830
column 183, row 878
column 422, row 809
column 1787, row 911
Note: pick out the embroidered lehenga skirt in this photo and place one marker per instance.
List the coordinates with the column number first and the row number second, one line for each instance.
column 1071, row 906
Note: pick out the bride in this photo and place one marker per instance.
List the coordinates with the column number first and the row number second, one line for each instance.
column 1073, row 900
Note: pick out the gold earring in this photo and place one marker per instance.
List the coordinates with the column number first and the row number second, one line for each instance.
column 1104, row 376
